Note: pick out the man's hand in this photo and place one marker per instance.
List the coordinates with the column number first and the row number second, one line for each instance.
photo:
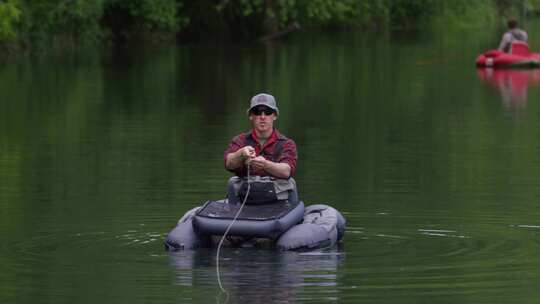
column 247, row 152
column 259, row 163
column 240, row 157
column 279, row 170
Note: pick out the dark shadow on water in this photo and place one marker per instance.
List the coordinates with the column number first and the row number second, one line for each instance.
column 262, row 276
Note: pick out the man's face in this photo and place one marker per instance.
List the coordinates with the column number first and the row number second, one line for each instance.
column 262, row 118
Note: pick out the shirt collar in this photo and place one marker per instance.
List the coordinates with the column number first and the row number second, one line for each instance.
column 273, row 137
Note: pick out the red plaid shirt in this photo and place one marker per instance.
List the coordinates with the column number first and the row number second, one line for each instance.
column 268, row 151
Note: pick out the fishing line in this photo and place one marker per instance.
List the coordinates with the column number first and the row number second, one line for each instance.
column 227, row 231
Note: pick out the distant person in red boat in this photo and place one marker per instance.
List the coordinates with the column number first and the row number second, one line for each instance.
column 513, row 34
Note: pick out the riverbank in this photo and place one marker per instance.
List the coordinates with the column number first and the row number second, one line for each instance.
column 38, row 27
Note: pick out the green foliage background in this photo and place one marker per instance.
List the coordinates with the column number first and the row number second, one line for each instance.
column 45, row 23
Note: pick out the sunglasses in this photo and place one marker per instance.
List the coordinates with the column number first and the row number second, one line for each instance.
column 259, row 111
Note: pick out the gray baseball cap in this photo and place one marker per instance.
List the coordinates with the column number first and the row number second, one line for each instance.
column 265, row 100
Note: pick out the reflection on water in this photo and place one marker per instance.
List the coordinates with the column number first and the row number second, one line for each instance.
column 513, row 84
column 389, row 257
column 263, row 276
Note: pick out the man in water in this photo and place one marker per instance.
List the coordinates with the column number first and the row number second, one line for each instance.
column 513, row 34
column 268, row 152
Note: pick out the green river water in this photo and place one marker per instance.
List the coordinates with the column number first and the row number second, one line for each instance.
column 435, row 165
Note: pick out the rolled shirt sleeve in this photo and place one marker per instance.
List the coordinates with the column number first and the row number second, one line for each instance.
column 236, row 143
column 289, row 155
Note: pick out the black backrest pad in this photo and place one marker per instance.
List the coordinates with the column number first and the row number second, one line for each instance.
column 223, row 210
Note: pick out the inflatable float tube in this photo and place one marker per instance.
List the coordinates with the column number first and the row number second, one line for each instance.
column 289, row 225
column 499, row 59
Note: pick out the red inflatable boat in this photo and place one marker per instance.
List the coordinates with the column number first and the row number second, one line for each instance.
column 519, row 56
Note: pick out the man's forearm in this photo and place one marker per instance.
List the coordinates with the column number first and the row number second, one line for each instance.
column 234, row 160
column 279, row 170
